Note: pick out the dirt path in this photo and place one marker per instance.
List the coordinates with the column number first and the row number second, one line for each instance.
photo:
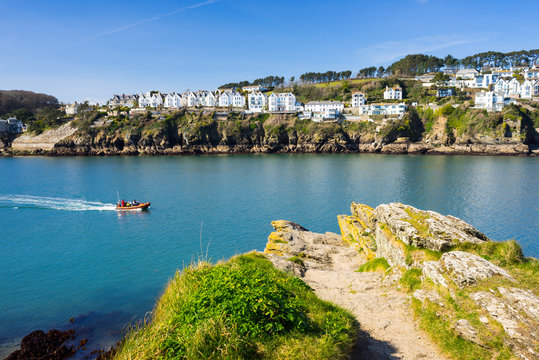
column 388, row 328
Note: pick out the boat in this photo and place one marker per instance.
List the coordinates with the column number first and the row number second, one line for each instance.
column 140, row 206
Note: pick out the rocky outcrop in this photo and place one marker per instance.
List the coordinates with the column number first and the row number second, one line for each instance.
column 411, row 238
column 44, row 142
column 46, row 346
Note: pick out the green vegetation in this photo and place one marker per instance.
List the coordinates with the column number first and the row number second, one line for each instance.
column 375, row 265
column 241, row 309
column 298, row 259
column 411, row 280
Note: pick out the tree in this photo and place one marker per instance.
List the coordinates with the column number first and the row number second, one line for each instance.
column 381, row 71
column 440, row 78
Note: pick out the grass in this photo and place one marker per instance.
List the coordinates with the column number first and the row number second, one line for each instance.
column 501, row 253
column 241, row 309
column 297, row 259
column 375, row 265
column 411, row 279
column 417, row 220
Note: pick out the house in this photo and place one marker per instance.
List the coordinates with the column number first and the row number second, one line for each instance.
column 490, row 100
column 427, row 78
column 238, row 100
column 257, row 101
column 192, row 99
column 282, row 102
column 532, row 73
column 501, row 86
column 325, row 110
column 226, row 99
column 172, row 101
column 150, row 99
column 535, row 88
column 467, row 74
column 382, row 109
column 358, row 99
column 514, row 88
column 445, row 92
column 211, row 100
column 122, row 101
column 526, row 89
column 393, row 93
column 252, row 88
column 12, row 126
column 72, row 109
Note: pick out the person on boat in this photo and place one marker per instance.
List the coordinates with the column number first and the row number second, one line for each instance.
column 123, row 203
column 134, row 202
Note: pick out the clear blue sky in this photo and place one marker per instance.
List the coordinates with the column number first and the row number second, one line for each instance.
column 88, row 50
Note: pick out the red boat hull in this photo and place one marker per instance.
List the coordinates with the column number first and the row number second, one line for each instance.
column 137, row 207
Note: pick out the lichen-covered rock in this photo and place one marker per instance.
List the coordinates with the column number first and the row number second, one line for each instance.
column 467, row 331
column 433, row 271
column 426, row 229
column 432, row 296
column 466, row 269
column 508, row 309
column 356, row 233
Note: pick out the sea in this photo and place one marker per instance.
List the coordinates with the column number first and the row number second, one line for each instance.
column 67, row 258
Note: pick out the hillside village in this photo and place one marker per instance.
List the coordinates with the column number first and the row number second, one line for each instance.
column 497, row 87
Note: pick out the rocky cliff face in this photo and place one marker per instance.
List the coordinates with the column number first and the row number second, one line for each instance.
column 194, row 133
column 481, row 291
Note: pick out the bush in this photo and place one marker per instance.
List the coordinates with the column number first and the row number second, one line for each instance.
column 241, row 309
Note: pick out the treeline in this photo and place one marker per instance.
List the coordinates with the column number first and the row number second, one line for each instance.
column 419, row 64
column 38, row 111
column 12, row 100
column 315, row 77
column 267, row 82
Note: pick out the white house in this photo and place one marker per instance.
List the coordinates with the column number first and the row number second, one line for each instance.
column 192, row 99
column 467, row 74
column 238, row 100
column 282, row 102
column 325, row 109
column 535, row 88
column 382, row 109
column 501, row 86
column 532, row 73
column 122, row 100
column 526, row 89
column 358, row 99
column 211, row 99
column 257, row 101
column 490, row 100
column 150, row 99
column 252, row 88
column 172, row 101
column 514, row 88
column 393, row 93
column 72, row 109
column 225, row 99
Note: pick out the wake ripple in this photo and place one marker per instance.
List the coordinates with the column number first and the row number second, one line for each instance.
column 42, row 202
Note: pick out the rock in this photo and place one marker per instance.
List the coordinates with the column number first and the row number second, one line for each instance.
column 466, row 269
column 433, row 271
column 426, row 229
column 524, row 300
column 507, row 309
column 45, row 346
column 467, row 331
column 432, row 296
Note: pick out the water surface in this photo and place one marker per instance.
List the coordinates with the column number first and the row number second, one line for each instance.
column 64, row 251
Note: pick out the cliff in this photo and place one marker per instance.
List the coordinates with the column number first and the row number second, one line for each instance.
column 447, row 131
column 475, row 298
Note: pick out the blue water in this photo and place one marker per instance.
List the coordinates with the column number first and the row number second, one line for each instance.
column 65, row 252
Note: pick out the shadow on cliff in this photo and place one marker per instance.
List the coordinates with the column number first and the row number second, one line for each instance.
column 368, row 348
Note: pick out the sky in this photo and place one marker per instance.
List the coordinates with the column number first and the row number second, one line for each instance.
column 90, row 50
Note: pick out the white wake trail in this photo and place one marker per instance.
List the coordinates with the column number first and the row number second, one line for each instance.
column 43, row 202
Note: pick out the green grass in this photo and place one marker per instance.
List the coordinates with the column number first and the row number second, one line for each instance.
column 501, row 253
column 411, row 279
column 241, row 309
column 297, row 259
column 375, row 265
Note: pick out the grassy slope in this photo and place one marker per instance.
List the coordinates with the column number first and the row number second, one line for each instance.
column 241, row 309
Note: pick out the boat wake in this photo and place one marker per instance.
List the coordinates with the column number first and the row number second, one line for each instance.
column 42, row 202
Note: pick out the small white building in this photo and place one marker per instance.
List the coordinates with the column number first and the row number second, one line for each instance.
column 467, row 74
column 150, row 99
column 501, row 86
column 211, row 100
column 532, row 73
column 238, row 100
column 225, row 99
column 257, row 101
column 325, row 110
column 192, row 99
column 358, row 99
column 72, row 109
column 526, row 89
column 394, row 93
column 282, row 102
column 490, row 100
column 382, row 109
column 122, row 100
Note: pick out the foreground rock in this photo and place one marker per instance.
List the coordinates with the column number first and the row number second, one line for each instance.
column 329, row 266
column 46, row 346
column 409, row 238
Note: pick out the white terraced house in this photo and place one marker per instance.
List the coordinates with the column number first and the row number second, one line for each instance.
column 535, row 88
column 192, row 99
column 526, row 89
column 172, row 101
column 238, row 100
column 257, row 101
column 282, row 102
column 211, row 99
column 150, row 99
column 490, row 100
column 393, row 93
column 532, row 73
column 358, row 99
column 122, row 100
column 382, row 109
column 514, row 88
column 327, row 110
column 225, row 99
column 501, row 86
